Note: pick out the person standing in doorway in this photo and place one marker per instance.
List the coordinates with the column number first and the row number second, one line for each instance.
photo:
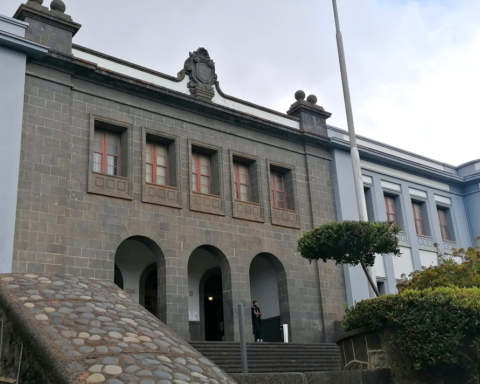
column 257, row 321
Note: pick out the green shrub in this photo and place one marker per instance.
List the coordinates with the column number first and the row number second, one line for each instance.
column 447, row 273
column 435, row 329
column 350, row 242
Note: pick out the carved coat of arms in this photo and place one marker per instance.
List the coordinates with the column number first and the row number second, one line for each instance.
column 201, row 71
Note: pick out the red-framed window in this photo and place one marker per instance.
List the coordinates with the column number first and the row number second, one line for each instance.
column 201, row 173
column 106, row 152
column 391, row 209
column 156, row 159
column 242, row 182
column 418, row 217
column 277, row 185
column 442, row 217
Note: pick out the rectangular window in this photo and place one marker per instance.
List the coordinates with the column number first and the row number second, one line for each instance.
column 156, row 159
column 391, row 209
column 418, row 217
column 201, row 173
column 279, row 196
column 442, row 217
column 106, row 152
column 242, row 182
column 382, row 287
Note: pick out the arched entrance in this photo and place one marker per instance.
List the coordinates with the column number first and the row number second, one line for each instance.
column 210, row 304
column 268, row 285
column 139, row 270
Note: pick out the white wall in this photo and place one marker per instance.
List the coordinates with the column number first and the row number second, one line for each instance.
column 132, row 258
column 264, row 287
column 428, row 258
column 403, row 264
column 200, row 262
column 380, row 266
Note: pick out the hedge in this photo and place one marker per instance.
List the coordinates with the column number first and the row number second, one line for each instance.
column 447, row 273
column 434, row 329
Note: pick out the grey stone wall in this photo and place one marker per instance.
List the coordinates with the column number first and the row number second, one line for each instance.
column 62, row 228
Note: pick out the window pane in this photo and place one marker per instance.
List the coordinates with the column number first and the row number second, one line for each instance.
column 161, row 171
column 194, row 163
column 112, row 163
column 280, row 200
column 149, row 173
column 148, row 153
column 204, row 170
column 279, row 182
column 97, row 162
column 161, row 180
column 204, row 180
column 205, row 189
column 161, row 160
column 113, row 143
column 194, row 183
column 97, row 146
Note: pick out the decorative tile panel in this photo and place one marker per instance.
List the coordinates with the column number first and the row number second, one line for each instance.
column 247, row 211
column 285, row 218
column 206, row 203
column 114, row 186
column 449, row 245
column 402, row 236
column 161, row 195
column 425, row 241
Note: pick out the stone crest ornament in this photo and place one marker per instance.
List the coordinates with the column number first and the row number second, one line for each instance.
column 201, row 71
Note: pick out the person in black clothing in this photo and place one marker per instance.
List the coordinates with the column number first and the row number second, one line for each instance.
column 257, row 321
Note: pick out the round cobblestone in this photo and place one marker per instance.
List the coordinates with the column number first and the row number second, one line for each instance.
column 97, row 368
column 96, row 378
column 112, row 370
column 162, row 375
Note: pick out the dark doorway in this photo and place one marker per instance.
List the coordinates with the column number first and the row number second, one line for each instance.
column 151, row 292
column 117, row 277
column 213, row 309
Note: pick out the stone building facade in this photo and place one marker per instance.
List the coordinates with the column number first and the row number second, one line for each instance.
column 201, row 252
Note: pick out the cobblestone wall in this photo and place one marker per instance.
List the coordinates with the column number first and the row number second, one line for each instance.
column 58, row 329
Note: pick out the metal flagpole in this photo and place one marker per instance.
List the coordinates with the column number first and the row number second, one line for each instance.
column 355, row 156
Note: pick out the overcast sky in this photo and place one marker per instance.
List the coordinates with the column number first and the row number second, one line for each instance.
column 414, row 66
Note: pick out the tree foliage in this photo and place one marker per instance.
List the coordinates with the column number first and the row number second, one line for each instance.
column 436, row 329
column 447, row 273
column 349, row 242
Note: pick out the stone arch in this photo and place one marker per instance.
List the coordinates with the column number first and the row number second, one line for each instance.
column 204, row 262
column 268, row 284
column 136, row 257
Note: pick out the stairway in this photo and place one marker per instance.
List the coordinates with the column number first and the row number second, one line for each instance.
column 271, row 357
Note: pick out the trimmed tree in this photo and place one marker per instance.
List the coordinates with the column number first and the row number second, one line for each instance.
column 351, row 243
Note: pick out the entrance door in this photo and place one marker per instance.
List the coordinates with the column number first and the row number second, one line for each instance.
column 151, row 292
column 213, row 309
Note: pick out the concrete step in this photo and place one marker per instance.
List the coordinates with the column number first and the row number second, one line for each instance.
column 272, row 357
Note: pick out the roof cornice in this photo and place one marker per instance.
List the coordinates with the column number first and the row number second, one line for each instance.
column 89, row 71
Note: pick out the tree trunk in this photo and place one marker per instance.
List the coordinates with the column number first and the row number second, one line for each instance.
column 369, row 278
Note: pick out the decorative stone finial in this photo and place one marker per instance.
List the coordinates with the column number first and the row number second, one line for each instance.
column 300, row 95
column 312, row 99
column 58, row 5
column 36, row 1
